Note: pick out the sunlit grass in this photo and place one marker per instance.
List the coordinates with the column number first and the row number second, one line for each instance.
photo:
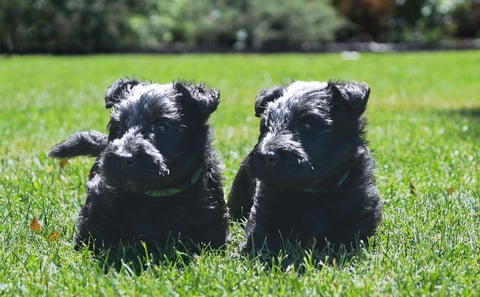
column 424, row 130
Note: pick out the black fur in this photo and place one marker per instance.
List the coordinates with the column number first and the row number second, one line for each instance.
column 159, row 144
column 83, row 143
column 309, row 179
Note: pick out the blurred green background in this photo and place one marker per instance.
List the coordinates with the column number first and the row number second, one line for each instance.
column 88, row 26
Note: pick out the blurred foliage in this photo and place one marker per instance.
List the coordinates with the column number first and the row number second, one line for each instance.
column 466, row 18
column 208, row 22
column 285, row 23
column 86, row 26
column 241, row 24
column 422, row 21
column 370, row 17
column 64, row 25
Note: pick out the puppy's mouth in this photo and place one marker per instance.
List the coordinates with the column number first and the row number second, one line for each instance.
column 136, row 175
column 147, row 177
column 167, row 189
column 283, row 170
column 289, row 171
column 138, row 184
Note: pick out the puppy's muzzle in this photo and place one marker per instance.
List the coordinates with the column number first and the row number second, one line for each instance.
column 270, row 158
column 132, row 151
column 123, row 151
column 275, row 147
column 124, row 159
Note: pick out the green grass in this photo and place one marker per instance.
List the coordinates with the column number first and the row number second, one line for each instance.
column 424, row 130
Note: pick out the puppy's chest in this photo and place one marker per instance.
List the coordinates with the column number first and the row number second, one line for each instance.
column 307, row 219
column 155, row 219
column 316, row 222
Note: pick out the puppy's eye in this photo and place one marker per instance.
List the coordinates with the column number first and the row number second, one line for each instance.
column 307, row 124
column 160, row 125
column 162, row 128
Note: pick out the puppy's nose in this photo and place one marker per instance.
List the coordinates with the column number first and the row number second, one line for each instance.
column 270, row 158
column 126, row 160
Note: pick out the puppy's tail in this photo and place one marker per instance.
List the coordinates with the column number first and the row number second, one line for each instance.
column 83, row 143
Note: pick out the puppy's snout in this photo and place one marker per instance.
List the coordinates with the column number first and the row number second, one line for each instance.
column 124, row 159
column 270, row 158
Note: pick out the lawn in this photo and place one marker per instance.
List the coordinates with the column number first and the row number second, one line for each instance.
column 424, row 131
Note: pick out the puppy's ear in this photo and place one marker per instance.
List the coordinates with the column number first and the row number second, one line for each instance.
column 265, row 96
column 204, row 99
column 354, row 93
column 83, row 143
column 117, row 91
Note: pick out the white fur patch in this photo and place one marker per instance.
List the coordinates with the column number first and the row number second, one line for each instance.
column 132, row 102
column 299, row 88
column 282, row 110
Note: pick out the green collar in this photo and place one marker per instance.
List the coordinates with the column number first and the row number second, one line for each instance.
column 175, row 190
column 340, row 182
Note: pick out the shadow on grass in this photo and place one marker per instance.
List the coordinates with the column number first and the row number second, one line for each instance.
column 136, row 258
column 472, row 115
column 300, row 258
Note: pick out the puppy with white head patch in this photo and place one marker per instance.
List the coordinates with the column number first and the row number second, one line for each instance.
column 156, row 175
column 309, row 179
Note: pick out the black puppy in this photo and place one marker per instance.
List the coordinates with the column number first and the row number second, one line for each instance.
column 309, row 179
column 156, row 176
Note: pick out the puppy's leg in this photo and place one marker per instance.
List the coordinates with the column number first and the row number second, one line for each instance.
column 83, row 143
column 240, row 199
